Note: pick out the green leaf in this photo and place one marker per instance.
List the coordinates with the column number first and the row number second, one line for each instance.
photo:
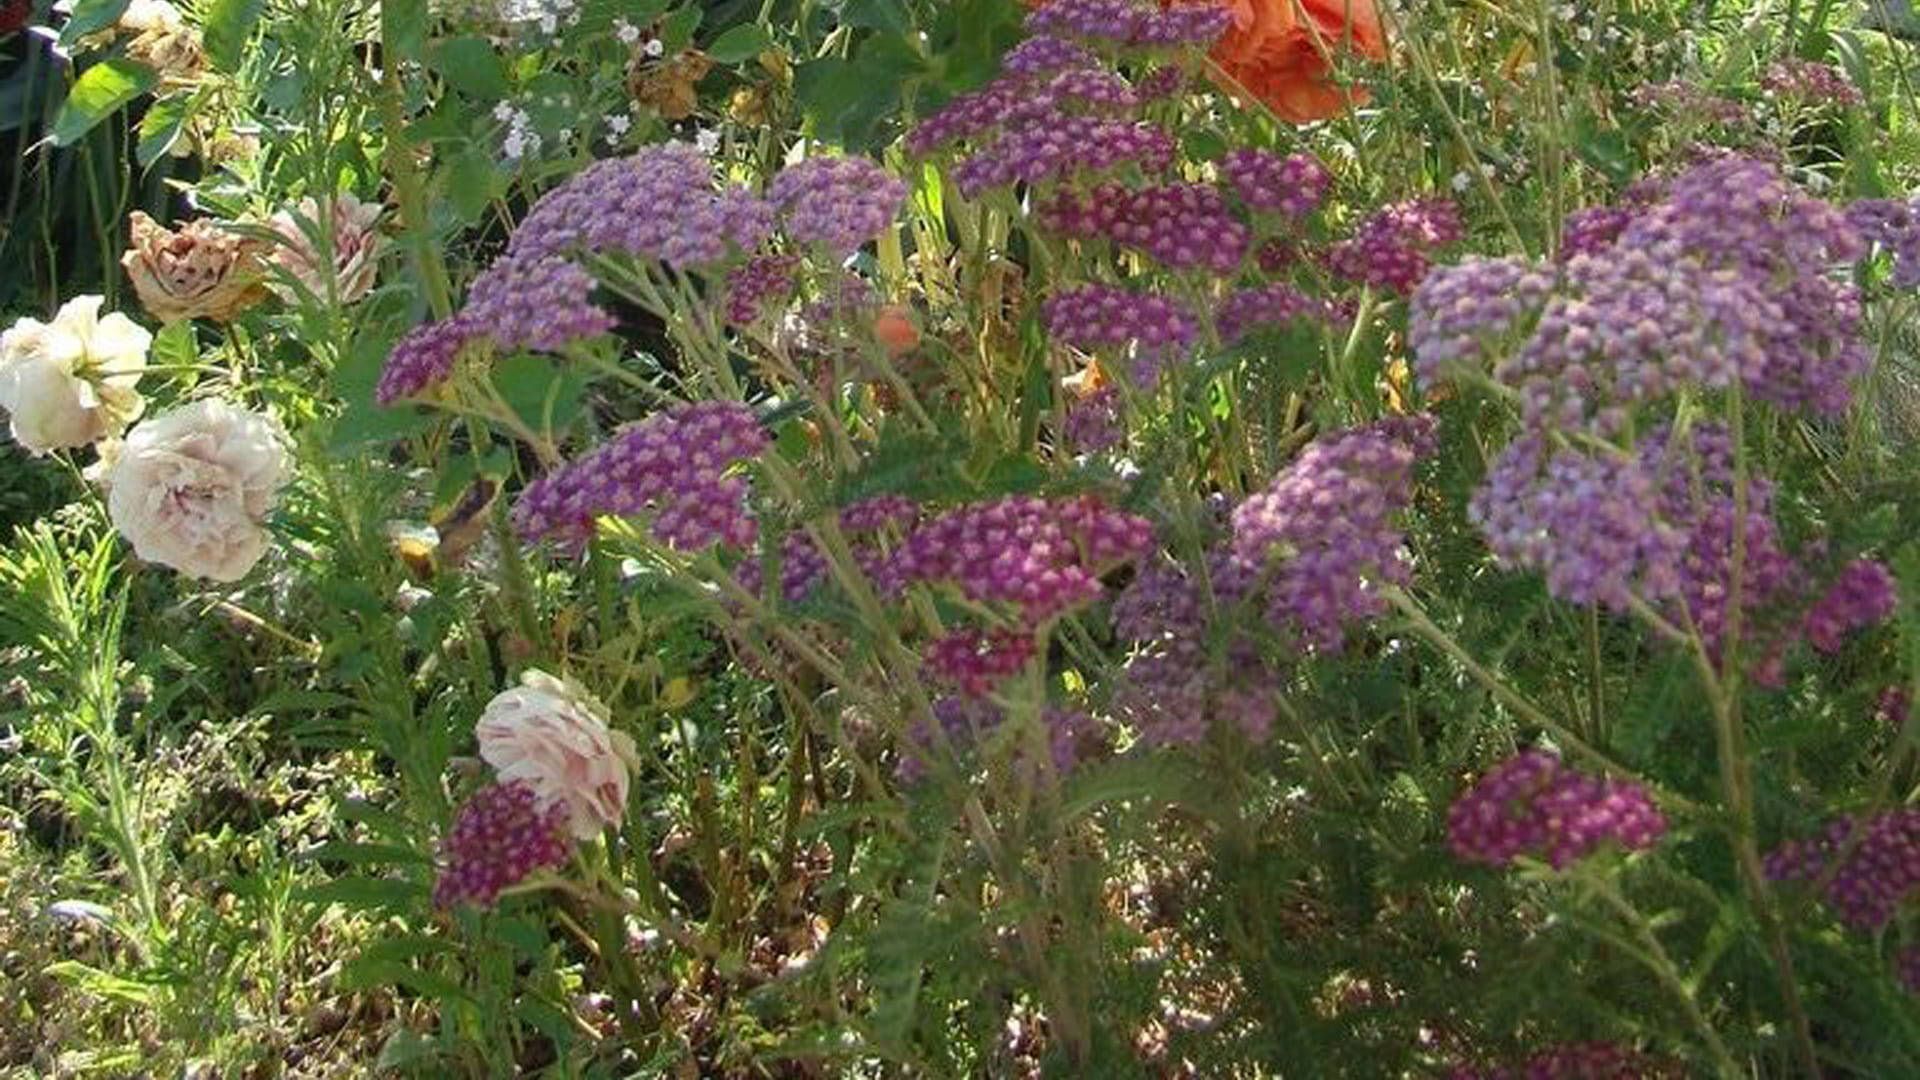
column 91, row 16
column 739, row 44
column 160, row 128
column 888, row 15
column 403, row 29
column 228, row 26
column 469, row 178
column 469, row 65
column 545, row 396
column 406, row 1047
column 676, row 30
column 364, row 854
column 368, row 894
column 100, row 983
column 99, row 94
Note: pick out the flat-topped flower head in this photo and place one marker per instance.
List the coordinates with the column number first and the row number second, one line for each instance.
column 839, row 203
column 677, row 467
column 1535, row 805
column 1871, row 865
column 501, row 836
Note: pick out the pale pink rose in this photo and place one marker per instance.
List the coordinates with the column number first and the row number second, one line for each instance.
column 356, row 244
column 191, row 488
column 552, row 736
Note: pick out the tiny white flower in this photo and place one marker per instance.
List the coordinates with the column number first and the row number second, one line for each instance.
column 655, row 48
column 707, row 142
column 625, row 31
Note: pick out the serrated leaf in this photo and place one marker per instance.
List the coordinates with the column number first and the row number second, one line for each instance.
column 229, row 25
column 99, row 94
column 739, row 44
column 676, row 30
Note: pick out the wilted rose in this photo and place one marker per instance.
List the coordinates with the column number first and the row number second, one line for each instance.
column 202, row 271
column 191, row 488
column 552, row 736
column 71, row 382
column 163, row 41
column 354, row 240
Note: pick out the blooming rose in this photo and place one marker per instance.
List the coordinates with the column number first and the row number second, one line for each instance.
column 1279, row 51
column 71, row 382
column 191, row 488
column 551, row 736
column 202, row 271
column 355, row 243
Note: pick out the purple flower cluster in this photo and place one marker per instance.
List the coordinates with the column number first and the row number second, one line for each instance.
column 500, row 835
column 839, row 203
column 1324, row 532
column 1594, row 1060
column 1174, row 681
column 1110, row 317
column 1869, row 882
column 758, row 282
column 538, row 304
column 1257, row 307
column 1391, row 250
column 660, row 203
column 1592, row 230
column 1184, row 226
column 1129, row 23
column 1045, row 55
column 1906, row 968
column 1692, row 100
column 1862, row 595
column 1063, row 146
column 803, row 567
column 1268, row 183
column 1533, row 804
column 1459, row 309
column 1811, row 82
column 425, row 357
column 1589, row 523
column 1727, row 274
column 1892, row 707
column 1893, row 225
column 674, row 465
column 1043, row 557
column 1093, row 423
column 975, row 662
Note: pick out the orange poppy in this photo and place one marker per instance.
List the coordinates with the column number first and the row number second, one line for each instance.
column 1280, row 51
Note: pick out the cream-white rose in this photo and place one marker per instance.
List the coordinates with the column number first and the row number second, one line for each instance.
column 552, row 736
column 191, row 488
column 72, row 382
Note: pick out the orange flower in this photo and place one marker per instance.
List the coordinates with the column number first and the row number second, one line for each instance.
column 1280, row 50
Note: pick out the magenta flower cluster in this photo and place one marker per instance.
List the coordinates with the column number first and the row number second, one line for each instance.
column 974, row 662
column 1810, row 82
column 1870, row 866
column 1261, row 307
column 1041, row 557
column 1194, row 655
column 660, row 204
column 839, row 203
column 803, row 567
column 1593, row 1060
column 500, row 836
column 1533, row 804
column 1392, row 249
column 1096, row 317
column 675, row 466
column 1324, row 533
column 759, row 285
column 1293, row 185
column 1184, row 226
